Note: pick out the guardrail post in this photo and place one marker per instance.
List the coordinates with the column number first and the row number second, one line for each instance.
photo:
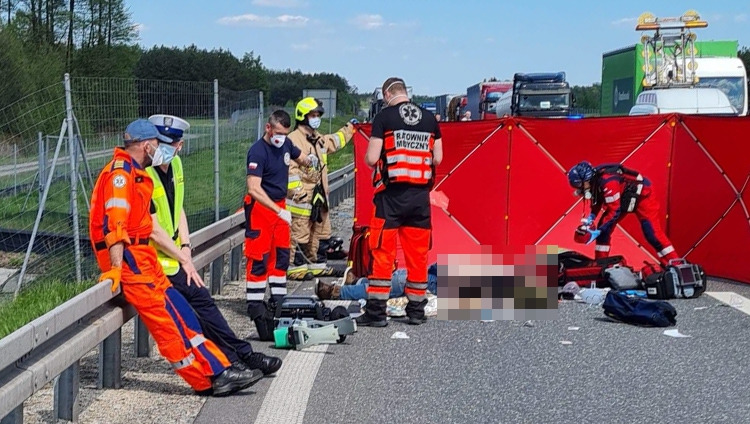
column 143, row 342
column 110, row 361
column 235, row 258
column 217, row 269
column 15, row 417
column 66, row 393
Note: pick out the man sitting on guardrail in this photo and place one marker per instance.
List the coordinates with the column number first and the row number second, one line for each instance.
column 171, row 238
column 120, row 226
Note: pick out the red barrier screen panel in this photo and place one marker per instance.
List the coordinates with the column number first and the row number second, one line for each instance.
column 506, row 183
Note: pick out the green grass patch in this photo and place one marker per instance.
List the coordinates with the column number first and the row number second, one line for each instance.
column 36, row 300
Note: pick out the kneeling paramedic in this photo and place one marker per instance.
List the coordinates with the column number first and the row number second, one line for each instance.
column 171, row 238
column 307, row 197
column 405, row 147
column 120, row 227
column 267, row 221
column 618, row 191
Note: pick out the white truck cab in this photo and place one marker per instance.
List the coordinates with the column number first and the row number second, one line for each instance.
column 689, row 101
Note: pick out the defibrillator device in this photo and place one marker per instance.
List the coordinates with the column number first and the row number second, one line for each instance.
column 679, row 280
column 303, row 321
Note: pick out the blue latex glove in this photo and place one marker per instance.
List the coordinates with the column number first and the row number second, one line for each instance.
column 594, row 235
column 354, row 121
column 588, row 220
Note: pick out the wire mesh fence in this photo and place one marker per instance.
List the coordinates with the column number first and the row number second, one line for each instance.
column 45, row 191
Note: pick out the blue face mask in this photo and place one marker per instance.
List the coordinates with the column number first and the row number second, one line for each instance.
column 168, row 152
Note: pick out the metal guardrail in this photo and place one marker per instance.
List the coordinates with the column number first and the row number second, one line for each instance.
column 51, row 347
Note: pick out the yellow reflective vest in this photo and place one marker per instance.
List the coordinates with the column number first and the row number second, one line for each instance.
column 301, row 182
column 168, row 220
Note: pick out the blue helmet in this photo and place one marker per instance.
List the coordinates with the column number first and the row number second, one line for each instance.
column 581, row 173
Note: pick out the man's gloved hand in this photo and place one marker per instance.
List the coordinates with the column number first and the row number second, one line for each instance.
column 588, row 220
column 313, row 160
column 594, row 235
column 114, row 274
column 286, row 216
column 354, row 121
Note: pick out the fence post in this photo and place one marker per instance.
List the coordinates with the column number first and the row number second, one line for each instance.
column 66, row 393
column 217, row 269
column 15, row 168
column 260, row 115
column 15, row 417
column 42, row 162
column 234, row 263
column 142, row 342
column 216, row 148
column 110, row 361
column 72, row 152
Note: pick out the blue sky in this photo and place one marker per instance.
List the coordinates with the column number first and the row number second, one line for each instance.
column 437, row 46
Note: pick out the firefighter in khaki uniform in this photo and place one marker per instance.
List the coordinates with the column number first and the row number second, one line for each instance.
column 307, row 196
column 120, row 227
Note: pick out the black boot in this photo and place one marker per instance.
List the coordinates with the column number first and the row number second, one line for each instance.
column 263, row 318
column 233, row 380
column 375, row 314
column 266, row 364
column 415, row 312
column 322, row 254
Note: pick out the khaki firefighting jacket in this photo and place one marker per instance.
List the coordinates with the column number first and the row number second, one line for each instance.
column 302, row 180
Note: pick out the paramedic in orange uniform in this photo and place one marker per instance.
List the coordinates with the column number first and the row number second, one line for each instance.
column 405, row 148
column 120, row 227
column 267, row 231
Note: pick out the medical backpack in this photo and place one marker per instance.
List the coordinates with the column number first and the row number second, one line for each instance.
column 678, row 280
column 579, row 268
column 359, row 251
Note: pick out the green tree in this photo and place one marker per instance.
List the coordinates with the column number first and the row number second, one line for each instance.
column 744, row 54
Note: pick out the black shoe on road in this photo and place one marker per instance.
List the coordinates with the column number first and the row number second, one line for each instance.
column 233, row 380
column 259, row 361
column 416, row 321
column 364, row 320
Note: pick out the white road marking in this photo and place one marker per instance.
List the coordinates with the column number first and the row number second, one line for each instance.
column 286, row 400
column 732, row 299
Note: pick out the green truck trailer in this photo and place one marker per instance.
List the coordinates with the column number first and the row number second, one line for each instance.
column 623, row 73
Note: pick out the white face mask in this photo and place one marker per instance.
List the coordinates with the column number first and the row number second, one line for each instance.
column 168, row 152
column 157, row 158
column 314, row 123
column 278, row 140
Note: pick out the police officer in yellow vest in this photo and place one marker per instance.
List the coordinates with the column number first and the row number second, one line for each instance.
column 307, row 196
column 171, row 238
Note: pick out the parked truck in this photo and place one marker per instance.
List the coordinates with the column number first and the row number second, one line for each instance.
column 431, row 106
column 692, row 63
column 456, row 108
column 482, row 97
column 377, row 103
column 441, row 104
column 547, row 95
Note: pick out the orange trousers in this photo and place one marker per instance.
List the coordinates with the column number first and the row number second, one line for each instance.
column 267, row 241
column 170, row 321
column 404, row 215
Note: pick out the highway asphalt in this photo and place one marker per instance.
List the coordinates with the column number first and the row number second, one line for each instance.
column 511, row 371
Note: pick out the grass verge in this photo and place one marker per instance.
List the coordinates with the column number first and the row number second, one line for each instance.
column 36, row 300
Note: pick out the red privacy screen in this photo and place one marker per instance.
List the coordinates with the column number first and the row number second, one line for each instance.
column 505, row 182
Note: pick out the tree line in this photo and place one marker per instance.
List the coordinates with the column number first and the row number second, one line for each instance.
column 40, row 40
